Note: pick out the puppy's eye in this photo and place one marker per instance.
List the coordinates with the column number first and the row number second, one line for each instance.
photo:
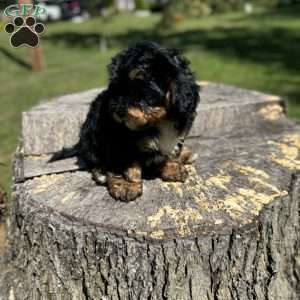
column 137, row 74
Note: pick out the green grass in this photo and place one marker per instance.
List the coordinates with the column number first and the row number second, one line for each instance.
column 258, row 52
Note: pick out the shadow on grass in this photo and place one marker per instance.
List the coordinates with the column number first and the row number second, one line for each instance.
column 277, row 47
column 15, row 59
column 75, row 39
column 271, row 46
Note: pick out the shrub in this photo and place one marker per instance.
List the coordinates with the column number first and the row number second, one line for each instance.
column 141, row 5
column 5, row 3
column 198, row 8
column 273, row 3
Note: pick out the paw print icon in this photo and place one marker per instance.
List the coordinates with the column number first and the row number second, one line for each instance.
column 24, row 32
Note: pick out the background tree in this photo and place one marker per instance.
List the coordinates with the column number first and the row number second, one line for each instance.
column 178, row 10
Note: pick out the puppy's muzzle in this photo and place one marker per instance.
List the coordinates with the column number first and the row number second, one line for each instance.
column 136, row 118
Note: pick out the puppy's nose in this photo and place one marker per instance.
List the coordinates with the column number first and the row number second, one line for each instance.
column 156, row 114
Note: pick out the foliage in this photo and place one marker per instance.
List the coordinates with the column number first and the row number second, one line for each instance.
column 5, row 3
column 141, row 5
column 276, row 2
column 198, row 8
column 178, row 10
column 95, row 6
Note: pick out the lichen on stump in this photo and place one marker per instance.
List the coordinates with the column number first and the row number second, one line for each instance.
column 231, row 231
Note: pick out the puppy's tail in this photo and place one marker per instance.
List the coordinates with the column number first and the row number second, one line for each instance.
column 65, row 153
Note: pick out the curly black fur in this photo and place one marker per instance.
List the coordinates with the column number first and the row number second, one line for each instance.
column 140, row 76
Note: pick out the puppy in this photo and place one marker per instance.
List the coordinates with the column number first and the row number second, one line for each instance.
column 138, row 124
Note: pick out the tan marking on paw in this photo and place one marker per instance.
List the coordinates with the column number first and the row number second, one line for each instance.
column 173, row 171
column 134, row 173
column 121, row 189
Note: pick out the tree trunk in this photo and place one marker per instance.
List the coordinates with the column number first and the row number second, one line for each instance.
column 231, row 231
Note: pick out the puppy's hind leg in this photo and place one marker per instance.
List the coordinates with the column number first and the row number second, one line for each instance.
column 173, row 171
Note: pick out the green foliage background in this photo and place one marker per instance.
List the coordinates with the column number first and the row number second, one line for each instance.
column 200, row 8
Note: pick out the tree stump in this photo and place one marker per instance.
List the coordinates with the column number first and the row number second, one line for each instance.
column 231, row 231
column 2, row 204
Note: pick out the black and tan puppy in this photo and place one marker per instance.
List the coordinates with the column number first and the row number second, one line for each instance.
column 138, row 124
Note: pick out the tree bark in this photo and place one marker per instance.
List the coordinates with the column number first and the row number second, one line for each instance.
column 232, row 231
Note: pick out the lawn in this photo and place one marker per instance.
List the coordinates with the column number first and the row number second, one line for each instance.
column 258, row 52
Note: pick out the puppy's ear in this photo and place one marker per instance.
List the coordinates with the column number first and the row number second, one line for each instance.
column 183, row 98
column 116, row 69
column 177, row 60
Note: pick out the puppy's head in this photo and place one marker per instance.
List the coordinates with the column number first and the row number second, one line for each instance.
column 143, row 74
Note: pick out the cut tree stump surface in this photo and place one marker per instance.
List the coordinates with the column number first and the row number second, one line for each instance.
column 231, row 231
column 228, row 186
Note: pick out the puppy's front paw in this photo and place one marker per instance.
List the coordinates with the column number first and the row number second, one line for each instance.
column 173, row 171
column 121, row 189
column 134, row 173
